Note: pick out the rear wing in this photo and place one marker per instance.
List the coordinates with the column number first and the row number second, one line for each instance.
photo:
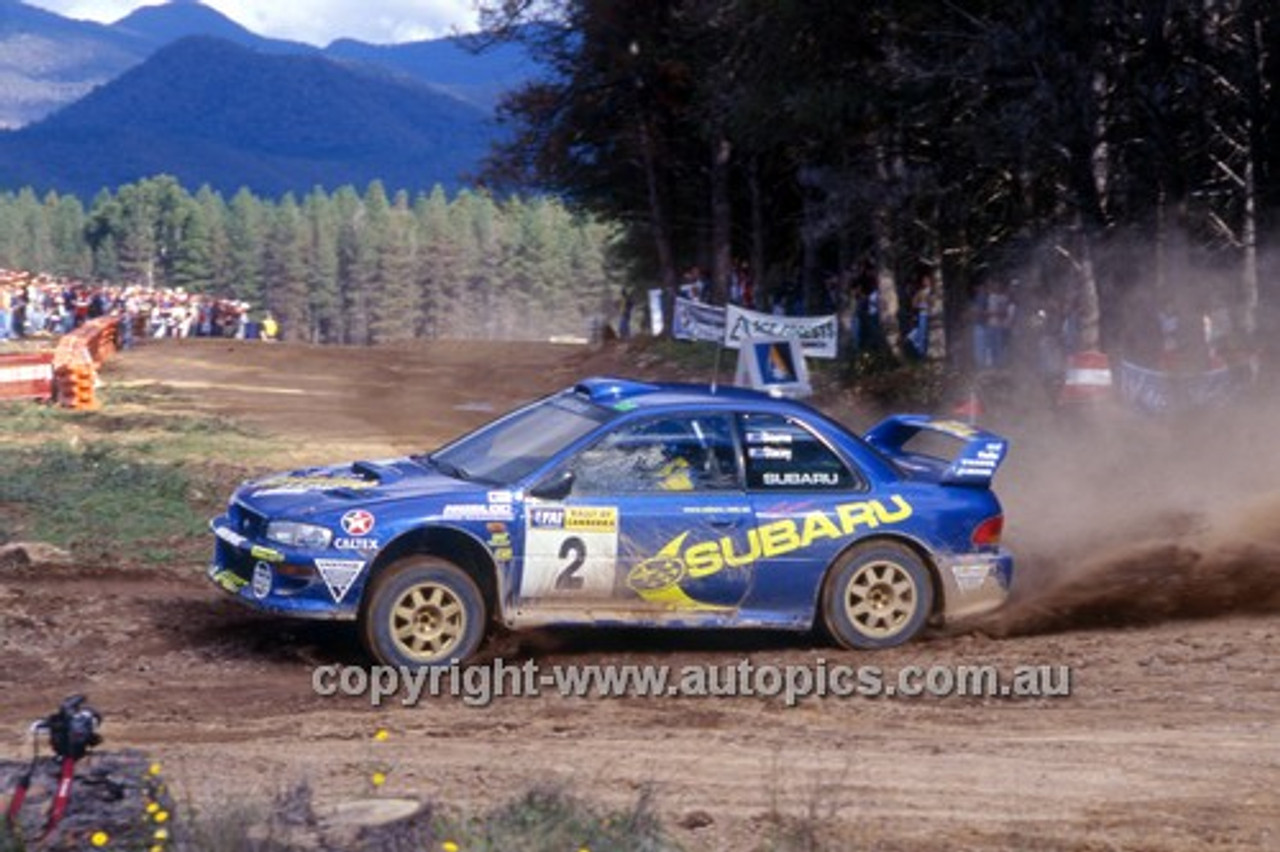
column 976, row 463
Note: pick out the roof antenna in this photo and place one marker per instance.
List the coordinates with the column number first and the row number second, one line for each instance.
column 715, row 371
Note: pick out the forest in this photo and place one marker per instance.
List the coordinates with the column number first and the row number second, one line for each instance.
column 1109, row 155
column 342, row 267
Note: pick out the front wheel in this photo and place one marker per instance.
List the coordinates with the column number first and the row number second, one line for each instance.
column 876, row 596
column 422, row 611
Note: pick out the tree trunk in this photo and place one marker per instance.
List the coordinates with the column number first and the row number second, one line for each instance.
column 1249, row 231
column 1249, row 236
column 809, row 282
column 757, row 230
column 1162, row 242
column 1090, row 307
column 658, row 222
column 937, row 342
column 887, row 286
column 886, row 282
column 721, row 220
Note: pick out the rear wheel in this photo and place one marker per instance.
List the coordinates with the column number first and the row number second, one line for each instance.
column 876, row 596
column 423, row 611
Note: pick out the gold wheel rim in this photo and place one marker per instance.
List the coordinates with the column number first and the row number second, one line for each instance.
column 428, row 621
column 880, row 599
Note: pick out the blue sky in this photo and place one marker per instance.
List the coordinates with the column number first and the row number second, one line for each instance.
column 314, row 21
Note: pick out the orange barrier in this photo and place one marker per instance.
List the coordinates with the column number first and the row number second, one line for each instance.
column 1088, row 378
column 78, row 357
column 971, row 409
column 26, row 375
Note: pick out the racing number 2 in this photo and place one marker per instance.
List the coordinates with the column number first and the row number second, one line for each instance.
column 575, row 550
column 570, row 552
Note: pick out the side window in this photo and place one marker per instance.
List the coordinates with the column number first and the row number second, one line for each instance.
column 784, row 456
column 664, row 454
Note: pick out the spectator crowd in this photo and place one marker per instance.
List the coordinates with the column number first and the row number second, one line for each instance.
column 35, row 305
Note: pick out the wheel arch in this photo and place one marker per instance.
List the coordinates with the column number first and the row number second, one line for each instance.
column 455, row 545
column 912, row 544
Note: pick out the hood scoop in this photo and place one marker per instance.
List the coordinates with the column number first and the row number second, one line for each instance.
column 371, row 470
column 372, row 473
column 348, row 482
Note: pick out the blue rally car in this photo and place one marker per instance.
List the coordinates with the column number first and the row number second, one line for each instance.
column 617, row 502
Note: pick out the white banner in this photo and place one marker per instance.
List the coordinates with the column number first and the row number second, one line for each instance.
column 817, row 335
column 655, row 312
column 697, row 321
column 1156, row 392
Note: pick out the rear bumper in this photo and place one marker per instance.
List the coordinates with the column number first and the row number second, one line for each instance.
column 974, row 583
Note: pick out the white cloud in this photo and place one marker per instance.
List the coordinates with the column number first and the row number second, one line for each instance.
column 315, row 21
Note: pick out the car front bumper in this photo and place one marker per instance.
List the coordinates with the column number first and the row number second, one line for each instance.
column 269, row 579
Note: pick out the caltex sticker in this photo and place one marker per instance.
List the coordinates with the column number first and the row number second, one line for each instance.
column 357, row 522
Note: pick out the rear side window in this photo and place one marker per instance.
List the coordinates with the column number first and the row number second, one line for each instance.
column 782, row 455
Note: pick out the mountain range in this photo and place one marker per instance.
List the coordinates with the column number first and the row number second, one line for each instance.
column 181, row 89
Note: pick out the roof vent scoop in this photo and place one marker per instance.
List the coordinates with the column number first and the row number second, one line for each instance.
column 600, row 388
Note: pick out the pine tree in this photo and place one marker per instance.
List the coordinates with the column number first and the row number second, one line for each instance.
column 193, row 263
column 214, row 215
column 321, row 256
column 284, row 263
column 394, row 313
column 66, row 221
column 100, row 234
column 245, row 228
column 37, row 254
column 352, row 300
column 435, row 269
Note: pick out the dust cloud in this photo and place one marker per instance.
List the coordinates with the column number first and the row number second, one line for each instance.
column 1119, row 519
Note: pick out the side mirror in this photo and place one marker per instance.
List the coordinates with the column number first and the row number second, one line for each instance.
column 557, row 487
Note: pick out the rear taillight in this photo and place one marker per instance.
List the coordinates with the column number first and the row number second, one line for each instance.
column 987, row 533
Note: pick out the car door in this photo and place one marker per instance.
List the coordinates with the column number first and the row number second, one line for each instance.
column 806, row 500
column 644, row 523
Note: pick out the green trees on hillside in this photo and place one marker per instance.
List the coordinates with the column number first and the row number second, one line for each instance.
column 341, row 267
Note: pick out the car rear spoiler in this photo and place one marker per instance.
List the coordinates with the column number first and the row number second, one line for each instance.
column 976, row 463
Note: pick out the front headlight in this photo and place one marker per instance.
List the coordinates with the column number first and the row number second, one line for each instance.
column 294, row 534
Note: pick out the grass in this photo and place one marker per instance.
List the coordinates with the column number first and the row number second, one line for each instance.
column 129, row 481
column 542, row 820
column 692, row 356
column 28, row 418
column 92, row 497
column 549, row 819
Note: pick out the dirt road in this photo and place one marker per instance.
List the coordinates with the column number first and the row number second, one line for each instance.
column 1150, row 565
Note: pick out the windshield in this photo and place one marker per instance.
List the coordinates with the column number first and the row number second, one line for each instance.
column 514, row 446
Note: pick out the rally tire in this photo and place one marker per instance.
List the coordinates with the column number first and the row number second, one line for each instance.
column 877, row 595
column 422, row 611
